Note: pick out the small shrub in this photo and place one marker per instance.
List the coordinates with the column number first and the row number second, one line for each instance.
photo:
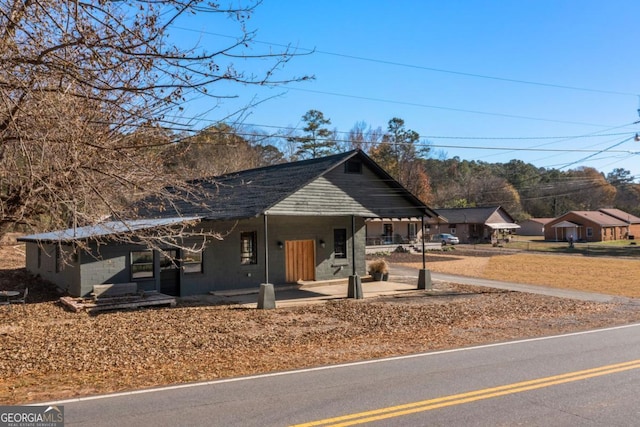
column 379, row 266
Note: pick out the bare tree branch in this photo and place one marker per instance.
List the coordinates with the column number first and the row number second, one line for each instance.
column 85, row 89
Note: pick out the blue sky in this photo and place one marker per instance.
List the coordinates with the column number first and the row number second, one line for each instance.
column 460, row 73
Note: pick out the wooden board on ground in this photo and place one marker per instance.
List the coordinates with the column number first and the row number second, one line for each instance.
column 110, row 290
column 118, row 303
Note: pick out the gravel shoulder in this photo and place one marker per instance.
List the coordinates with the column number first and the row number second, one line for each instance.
column 48, row 353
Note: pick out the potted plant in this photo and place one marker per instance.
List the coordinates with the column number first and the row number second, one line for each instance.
column 379, row 269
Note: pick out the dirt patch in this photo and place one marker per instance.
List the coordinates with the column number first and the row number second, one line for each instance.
column 49, row 353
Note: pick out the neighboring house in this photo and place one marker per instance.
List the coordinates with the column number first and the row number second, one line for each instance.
column 533, row 226
column 477, row 225
column 397, row 231
column 284, row 223
column 593, row 226
column 632, row 221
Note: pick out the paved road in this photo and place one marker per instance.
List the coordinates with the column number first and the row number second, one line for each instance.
column 584, row 379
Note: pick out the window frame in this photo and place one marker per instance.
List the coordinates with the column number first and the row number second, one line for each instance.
column 135, row 275
column 249, row 253
column 352, row 166
column 412, row 231
column 188, row 264
column 337, row 244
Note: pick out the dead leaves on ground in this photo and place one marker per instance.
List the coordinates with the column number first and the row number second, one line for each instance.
column 47, row 352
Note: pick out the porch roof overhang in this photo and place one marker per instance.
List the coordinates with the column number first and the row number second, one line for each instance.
column 566, row 224
column 106, row 229
column 431, row 220
column 502, row 225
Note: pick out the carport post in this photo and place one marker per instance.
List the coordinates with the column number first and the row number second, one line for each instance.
column 424, row 275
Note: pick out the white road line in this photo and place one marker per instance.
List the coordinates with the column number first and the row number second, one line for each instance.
column 323, row 368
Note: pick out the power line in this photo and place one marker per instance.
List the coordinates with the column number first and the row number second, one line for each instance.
column 431, row 145
column 608, row 150
column 593, row 134
column 436, row 107
column 420, row 67
column 559, row 138
column 514, row 138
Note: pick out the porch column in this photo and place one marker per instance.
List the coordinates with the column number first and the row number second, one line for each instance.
column 266, row 295
column 266, row 249
column 424, row 275
column 355, row 283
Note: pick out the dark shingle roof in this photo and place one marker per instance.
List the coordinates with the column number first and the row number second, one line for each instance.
column 621, row 215
column 250, row 193
column 467, row 215
column 238, row 195
column 598, row 217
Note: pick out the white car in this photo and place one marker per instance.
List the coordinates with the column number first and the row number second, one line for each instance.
column 446, row 239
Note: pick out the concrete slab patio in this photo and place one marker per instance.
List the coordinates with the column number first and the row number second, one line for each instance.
column 307, row 293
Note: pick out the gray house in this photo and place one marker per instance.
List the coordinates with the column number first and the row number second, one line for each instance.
column 279, row 224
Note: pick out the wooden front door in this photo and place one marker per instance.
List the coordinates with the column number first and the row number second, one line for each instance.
column 300, row 260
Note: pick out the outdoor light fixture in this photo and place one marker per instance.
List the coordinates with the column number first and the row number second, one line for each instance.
column 322, row 243
column 280, row 244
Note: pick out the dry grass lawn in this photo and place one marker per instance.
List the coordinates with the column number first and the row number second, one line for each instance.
column 604, row 275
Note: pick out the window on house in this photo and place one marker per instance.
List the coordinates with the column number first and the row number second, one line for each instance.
column 353, row 166
column 589, row 232
column 192, row 262
column 387, row 233
column 340, row 242
column 248, row 248
column 142, row 264
column 411, row 231
column 452, row 228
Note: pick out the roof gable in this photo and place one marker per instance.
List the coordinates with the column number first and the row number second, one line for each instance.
column 343, row 192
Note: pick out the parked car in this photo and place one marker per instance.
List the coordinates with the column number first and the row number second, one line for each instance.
column 446, row 239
